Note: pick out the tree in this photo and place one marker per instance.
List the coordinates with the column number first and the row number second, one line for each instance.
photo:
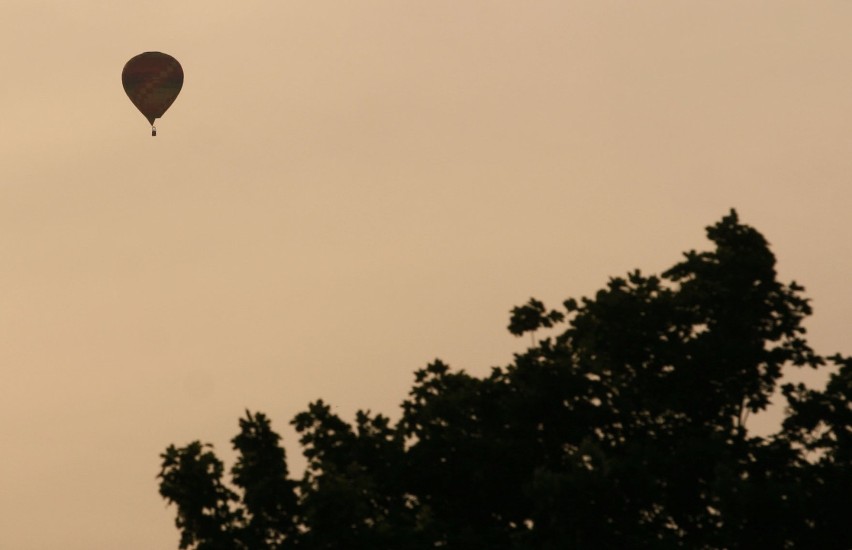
column 626, row 428
column 210, row 515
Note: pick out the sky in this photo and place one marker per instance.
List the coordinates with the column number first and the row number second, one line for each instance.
column 345, row 191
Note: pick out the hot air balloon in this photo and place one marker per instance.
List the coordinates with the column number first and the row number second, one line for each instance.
column 152, row 81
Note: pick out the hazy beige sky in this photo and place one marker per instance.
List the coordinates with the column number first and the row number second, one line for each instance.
column 344, row 191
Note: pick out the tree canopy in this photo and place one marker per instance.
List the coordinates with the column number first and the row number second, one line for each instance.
column 624, row 428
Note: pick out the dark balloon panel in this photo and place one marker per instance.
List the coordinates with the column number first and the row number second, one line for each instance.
column 152, row 81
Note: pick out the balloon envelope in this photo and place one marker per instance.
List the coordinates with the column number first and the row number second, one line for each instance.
column 152, row 81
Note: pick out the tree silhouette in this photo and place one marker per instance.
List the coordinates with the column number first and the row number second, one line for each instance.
column 627, row 429
column 211, row 516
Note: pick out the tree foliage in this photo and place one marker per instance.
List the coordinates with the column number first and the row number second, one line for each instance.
column 625, row 429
